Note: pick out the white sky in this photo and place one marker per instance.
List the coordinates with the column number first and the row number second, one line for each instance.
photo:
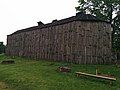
column 20, row 14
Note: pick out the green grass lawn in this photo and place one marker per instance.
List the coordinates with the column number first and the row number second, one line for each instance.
column 28, row 74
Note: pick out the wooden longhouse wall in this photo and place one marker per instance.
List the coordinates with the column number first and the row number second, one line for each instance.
column 77, row 41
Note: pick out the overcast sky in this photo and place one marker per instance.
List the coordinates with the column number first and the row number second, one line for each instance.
column 20, row 14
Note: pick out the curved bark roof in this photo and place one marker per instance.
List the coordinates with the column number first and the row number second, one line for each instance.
column 79, row 17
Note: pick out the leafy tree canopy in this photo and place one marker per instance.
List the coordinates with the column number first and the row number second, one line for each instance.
column 116, row 35
column 103, row 9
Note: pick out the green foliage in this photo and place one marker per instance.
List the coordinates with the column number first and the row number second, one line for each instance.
column 103, row 9
column 2, row 48
column 116, row 34
column 28, row 74
column 100, row 8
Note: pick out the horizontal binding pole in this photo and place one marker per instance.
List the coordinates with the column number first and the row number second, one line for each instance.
column 97, row 76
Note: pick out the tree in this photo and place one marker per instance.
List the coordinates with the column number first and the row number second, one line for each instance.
column 116, row 35
column 2, row 48
column 105, row 10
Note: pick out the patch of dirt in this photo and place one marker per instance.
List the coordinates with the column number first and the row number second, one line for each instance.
column 3, row 86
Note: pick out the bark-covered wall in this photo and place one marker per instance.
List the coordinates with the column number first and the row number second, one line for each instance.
column 82, row 42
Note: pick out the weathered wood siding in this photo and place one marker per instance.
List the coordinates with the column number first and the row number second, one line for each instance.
column 82, row 42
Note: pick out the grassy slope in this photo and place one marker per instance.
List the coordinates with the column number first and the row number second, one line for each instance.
column 42, row 75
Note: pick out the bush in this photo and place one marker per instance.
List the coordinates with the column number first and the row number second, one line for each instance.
column 2, row 48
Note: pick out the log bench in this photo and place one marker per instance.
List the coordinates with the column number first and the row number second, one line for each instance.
column 96, row 76
column 8, row 62
column 64, row 69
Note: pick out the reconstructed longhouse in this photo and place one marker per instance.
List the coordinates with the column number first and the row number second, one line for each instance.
column 82, row 39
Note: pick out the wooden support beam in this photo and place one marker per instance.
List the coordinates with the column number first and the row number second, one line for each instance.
column 97, row 76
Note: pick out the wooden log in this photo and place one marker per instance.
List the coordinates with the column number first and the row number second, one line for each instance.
column 96, row 76
column 64, row 69
column 8, row 62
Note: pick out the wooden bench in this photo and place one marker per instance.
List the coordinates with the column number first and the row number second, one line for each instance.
column 96, row 76
column 8, row 62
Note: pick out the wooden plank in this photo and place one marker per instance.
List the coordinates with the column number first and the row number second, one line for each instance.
column 97, row 76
